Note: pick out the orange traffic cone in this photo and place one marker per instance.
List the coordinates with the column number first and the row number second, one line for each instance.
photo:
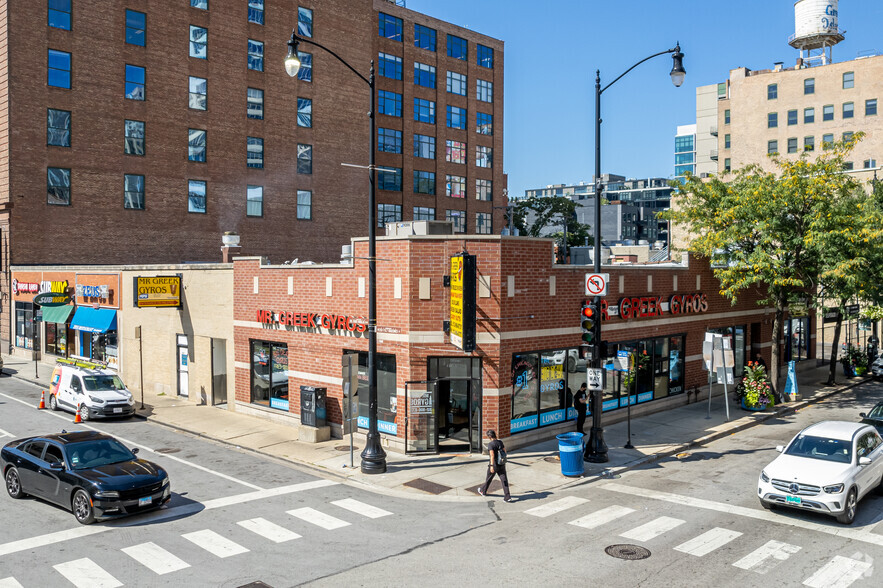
column 42, row 405
column 77, row 418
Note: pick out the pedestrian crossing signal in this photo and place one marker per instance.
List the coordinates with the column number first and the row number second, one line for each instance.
column 587, row 320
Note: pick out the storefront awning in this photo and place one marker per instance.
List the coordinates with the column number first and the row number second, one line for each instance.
column 92, row 320
column 57, row 314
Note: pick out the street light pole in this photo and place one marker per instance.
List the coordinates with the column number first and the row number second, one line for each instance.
column 596, row 448
column 373, row 456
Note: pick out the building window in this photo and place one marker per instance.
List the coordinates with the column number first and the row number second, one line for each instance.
column 389, row 140
column 388, row 213
column 60, row 14
column 424, row 213
column 304, row 112
column 727, row 116
column 58, row 128
column 58, row 186
column 254, row 100
column 390, row 27
column 198, row 97
column 304, row 159
column 304, row 22
column 390, row 66
column 304, row 205
column 269, row 374
column 59, row 69
column 196, row 196
column 133, row 186
column 458, row 217
column 254, row 156
column 772, row 147
column 424, row 75
column 254, row 201
column 457, row 47
column 848, row 110
column 136, row 27
column 722, row 91
column 848, row 80
column 456, row 83
column 390, row 103
column 455, row 151
column 424, row 37
column 792, row 117
column 727, row 164
column 827, row 140
column 772, row 120
column 484, row 156
column 871, row 107
column 869, row 163
column 256, row 11
column 772, row 91
column 483, row 223
column 485, row 56
column 255, row 55
column 424, row 146
column 809, row 143
column 135, row 82
column 847, row 166
column 455, row 186
column 727, row 141
column 134, row 143
column 305, row 73
column 198, row 42
column 792, row 145
column 828, row 112
column 456, row 118
column 196, row 145
column 424, row 110
column 424, row 182
column 202, row 4
column 389, row 178
column 484, row 91
column 809, row 115
column 484, row 123
column 484, row 190
column 809, row 86
column 847, row 135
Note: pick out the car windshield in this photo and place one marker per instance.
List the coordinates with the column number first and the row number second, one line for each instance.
column 877, row 412
column 821, row 448
column 103, row 383
column 94, row 454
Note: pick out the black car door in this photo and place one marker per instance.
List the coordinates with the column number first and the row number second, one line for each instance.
column 49, row 480
column 28, row 466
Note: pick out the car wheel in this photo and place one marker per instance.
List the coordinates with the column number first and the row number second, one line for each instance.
column 765, row 504
column 82, row 507
column 84, row 412
column 849, row 511
column 13, row 484
column 53, row 403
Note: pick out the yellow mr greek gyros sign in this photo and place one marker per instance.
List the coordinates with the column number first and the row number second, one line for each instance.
column 158, row 292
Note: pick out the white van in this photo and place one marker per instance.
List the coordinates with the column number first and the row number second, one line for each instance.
column 91, row 389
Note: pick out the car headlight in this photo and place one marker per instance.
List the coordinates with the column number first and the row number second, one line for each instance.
column 834, row 489
column 107, row 494
column 165, row 481
column 96, row 400
column 764, row 477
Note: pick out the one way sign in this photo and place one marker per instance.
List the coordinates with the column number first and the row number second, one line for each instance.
column 594, row 379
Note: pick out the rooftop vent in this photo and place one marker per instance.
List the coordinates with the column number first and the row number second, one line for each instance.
column 419, row 228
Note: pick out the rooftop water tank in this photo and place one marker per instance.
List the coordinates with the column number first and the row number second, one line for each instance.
column 815, row 25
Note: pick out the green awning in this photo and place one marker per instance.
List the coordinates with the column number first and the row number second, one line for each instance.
column 57, row 314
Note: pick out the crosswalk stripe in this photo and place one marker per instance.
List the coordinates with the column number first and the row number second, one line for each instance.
column 271, row 531
column 555, row 507
column 10, row 582
column 708, row 541
column 156, row 558
column 762, row 559
column 372, row 512
column 598, row 518
column 214, row 543
column 320, row 519
column 840, row 572
column 652, row 529
column 85, row 573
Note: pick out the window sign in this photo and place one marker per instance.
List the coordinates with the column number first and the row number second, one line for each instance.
column 387, row 401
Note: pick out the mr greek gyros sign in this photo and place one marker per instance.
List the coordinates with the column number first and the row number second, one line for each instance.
column 158, row 292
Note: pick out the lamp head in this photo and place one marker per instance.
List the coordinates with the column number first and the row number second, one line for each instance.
column 677, row 69
column 292, row 63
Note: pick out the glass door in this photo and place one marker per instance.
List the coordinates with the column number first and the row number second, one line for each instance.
column 421, row 434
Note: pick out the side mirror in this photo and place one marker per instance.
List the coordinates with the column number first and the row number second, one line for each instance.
column 863, row 415
column 56, row 466
column 863, row 461
column 780, row 448
column 135, row 450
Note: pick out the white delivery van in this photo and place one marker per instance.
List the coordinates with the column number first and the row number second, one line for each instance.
column 90, row 388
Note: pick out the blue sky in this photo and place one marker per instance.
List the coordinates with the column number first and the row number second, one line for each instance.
column 554, row 47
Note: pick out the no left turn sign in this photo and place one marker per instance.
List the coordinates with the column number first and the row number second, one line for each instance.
column 596, row 284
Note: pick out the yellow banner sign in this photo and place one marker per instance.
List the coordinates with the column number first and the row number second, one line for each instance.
column 457, row 301
column 158, row 291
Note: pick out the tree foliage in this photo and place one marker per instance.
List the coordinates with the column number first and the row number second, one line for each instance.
column 533, row 215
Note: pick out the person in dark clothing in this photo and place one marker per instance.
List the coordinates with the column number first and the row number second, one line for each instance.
column 579, row 403
column 759, row 359
column 494, row 467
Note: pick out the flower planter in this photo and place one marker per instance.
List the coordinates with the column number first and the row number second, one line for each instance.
column 848, row 371
column 752, row 408
column 861, row 370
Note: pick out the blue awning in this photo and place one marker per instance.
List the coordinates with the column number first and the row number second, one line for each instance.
column 93, row 320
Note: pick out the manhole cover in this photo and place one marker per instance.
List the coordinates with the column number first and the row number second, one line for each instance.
column 427, row 486
column 257, row 584
column 167, row 450
column 625, row 551
column 552, row 459
column 345, row 448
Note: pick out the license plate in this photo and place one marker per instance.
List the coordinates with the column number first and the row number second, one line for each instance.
column 793, row 500
column 146, row 501
column 118, row 410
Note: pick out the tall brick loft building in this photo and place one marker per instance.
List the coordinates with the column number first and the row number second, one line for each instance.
column 139, row 132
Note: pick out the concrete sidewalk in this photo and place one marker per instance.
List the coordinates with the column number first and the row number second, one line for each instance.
column 534, row 471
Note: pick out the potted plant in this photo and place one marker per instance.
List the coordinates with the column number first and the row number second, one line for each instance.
column 854, row 361
column 754, row 391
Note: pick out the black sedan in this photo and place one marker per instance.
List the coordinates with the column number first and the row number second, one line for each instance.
column 90, row 473
column 875, row 417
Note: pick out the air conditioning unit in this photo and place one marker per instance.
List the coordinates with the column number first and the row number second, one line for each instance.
column 419, row 228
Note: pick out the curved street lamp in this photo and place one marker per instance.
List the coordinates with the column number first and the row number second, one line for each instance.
column 596, row 449
column 373, row 457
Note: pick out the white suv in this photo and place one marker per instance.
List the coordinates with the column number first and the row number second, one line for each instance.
column 91, row 389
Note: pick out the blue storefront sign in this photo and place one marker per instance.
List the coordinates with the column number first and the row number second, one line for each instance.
column 382, row 426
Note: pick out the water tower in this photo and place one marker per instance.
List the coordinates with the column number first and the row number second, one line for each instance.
column 816, row 30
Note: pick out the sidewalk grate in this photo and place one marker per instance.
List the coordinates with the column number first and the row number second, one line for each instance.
column 625, row 551
column 552, row 459
column 427, row 486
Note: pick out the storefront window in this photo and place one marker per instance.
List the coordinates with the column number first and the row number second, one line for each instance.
column 24, row 325
column 542, row 387
column 525, row 392
column 676, row 365
column 737, row 342
column 56, row 339
column 387, row 401
column 655, row 370
column 796, row 339
column 269, row 374
column 552, row 387
column 661, row 366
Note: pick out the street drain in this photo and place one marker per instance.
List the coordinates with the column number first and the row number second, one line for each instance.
column 625, row 551
column 167, row 450
column 345, row 448
column 552, row 459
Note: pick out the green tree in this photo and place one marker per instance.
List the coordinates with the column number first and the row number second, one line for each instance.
column 533, row 215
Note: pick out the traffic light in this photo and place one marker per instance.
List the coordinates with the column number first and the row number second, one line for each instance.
column 588, row 319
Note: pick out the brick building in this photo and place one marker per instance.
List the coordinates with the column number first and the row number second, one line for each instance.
column 139, row 134
column 292, row 324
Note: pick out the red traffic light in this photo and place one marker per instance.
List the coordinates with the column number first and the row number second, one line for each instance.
column 588, row 311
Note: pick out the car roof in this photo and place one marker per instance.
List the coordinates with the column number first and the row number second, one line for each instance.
column 76, row 437
column 844, row 430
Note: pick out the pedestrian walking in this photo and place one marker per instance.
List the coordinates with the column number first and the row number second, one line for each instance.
column 496, row 467
column 579, row 403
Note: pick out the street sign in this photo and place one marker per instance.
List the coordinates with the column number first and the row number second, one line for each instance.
column 594, row 379
column 596, row 284
column 852, row 309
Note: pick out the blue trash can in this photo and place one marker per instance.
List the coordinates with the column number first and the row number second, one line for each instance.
column 570, row 451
